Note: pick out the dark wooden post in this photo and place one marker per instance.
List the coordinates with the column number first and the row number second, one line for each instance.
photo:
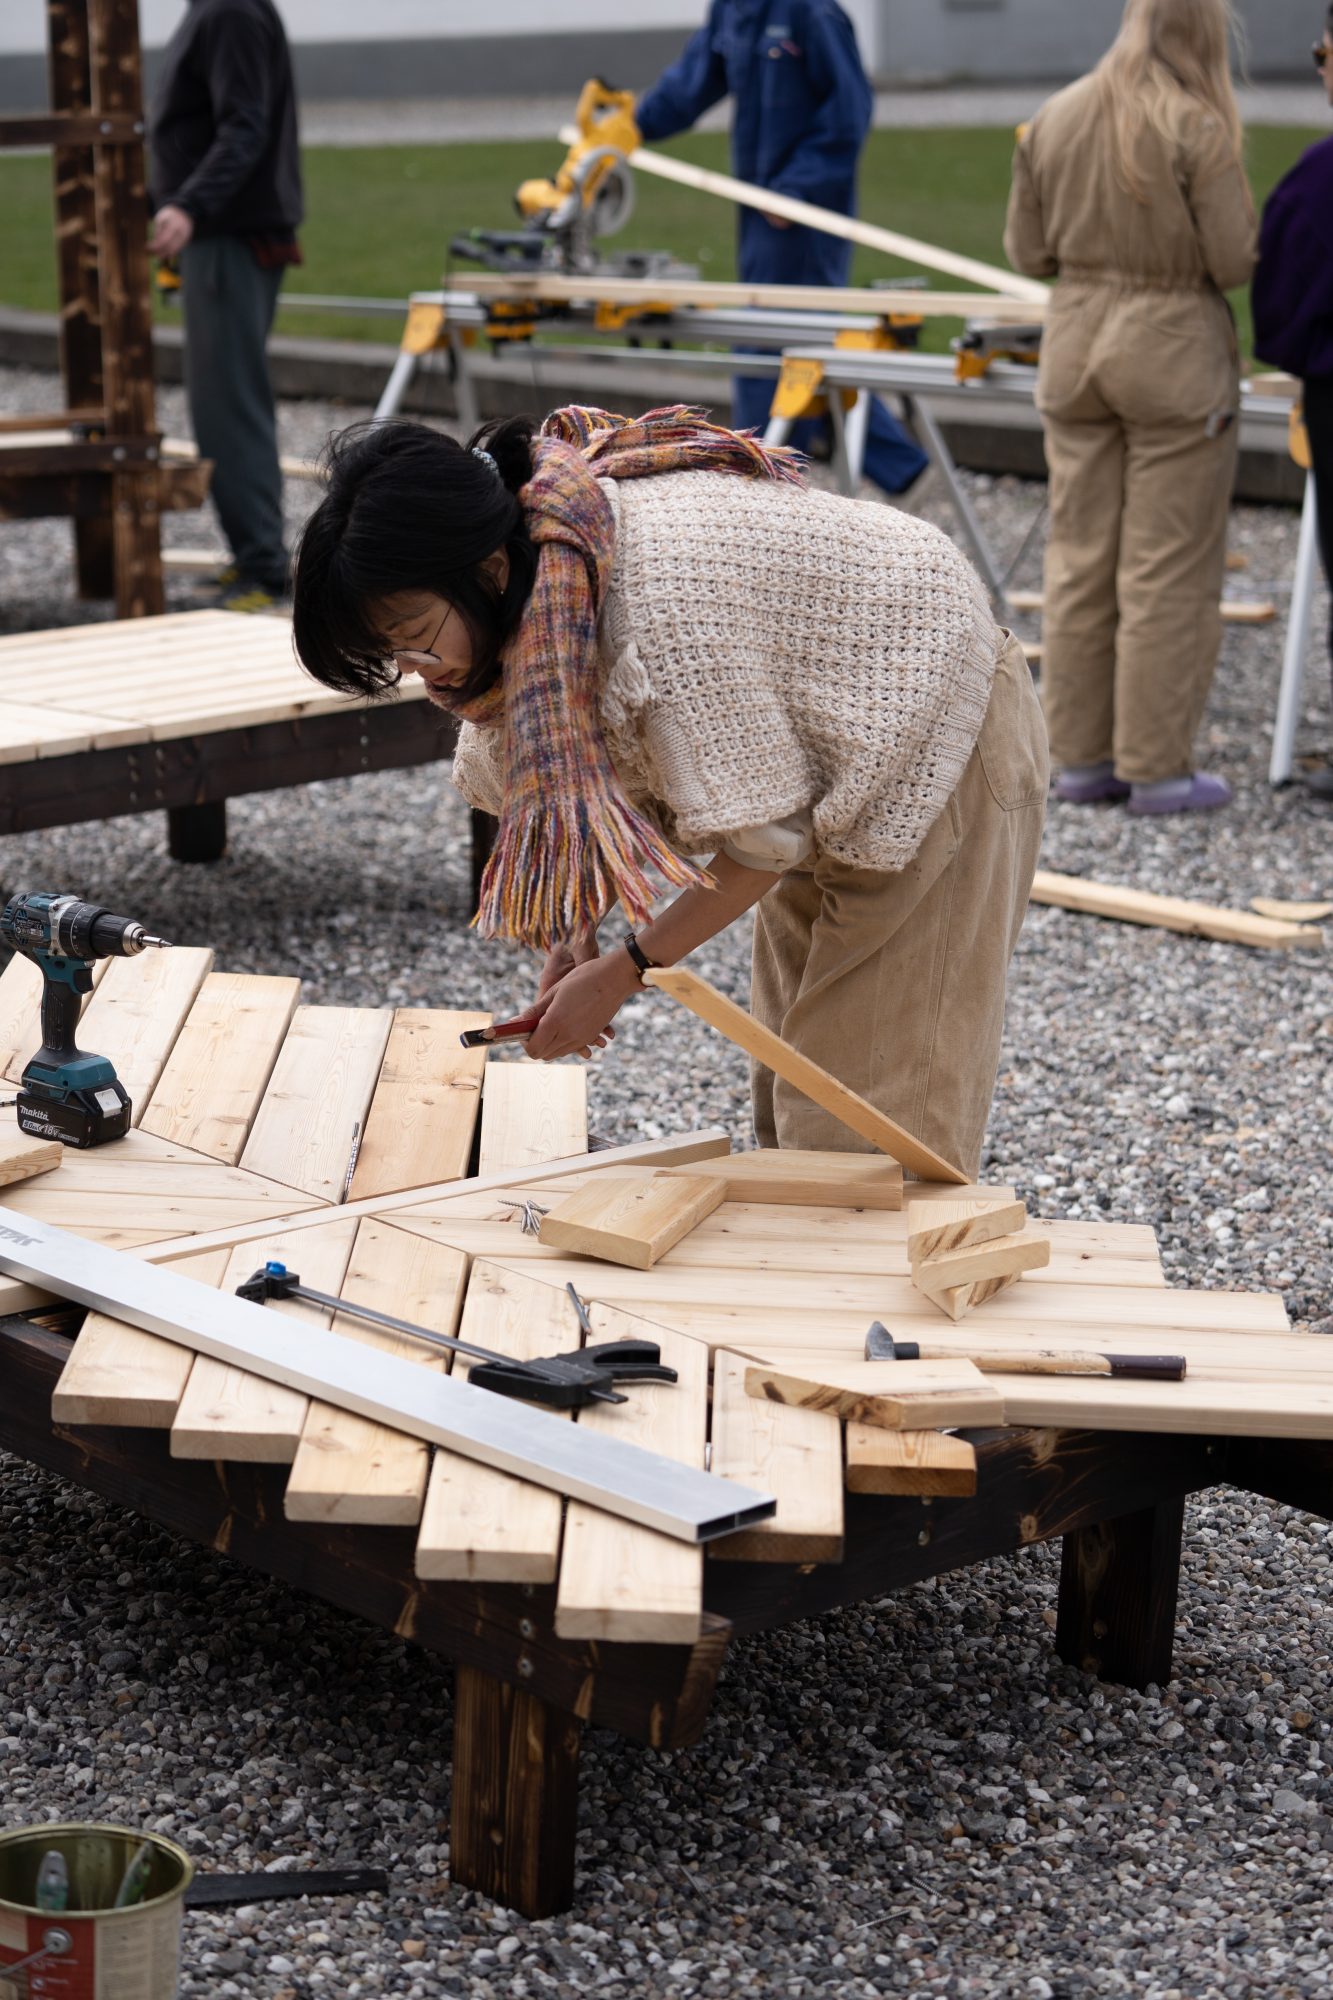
column 120, row 189
column 76, row 260
column 1118, row 1585
column 514, row 1818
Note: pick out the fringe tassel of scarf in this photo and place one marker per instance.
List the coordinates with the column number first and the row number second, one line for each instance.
column 570, row 843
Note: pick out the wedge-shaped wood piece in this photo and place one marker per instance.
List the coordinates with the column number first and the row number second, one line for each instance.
column 929, row 1463
column 895, row 1395
column 807, row 1180
column 480, row 1525
column 631, row 1222
column 317, row 1097
column 1291, row 913
column 228, row 1413
column 348, row 1468
column 210, row 1088
column 618, row 1581
column 118, row 1374
column 934, row 1227
column 971, row 1263
column 798, row 1070
column 958, row 1300
column 424, row 1112
column 794, row 1454
column 23, row 1156
column 531, row 1113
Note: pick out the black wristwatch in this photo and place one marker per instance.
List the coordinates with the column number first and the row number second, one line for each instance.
column 639, row 958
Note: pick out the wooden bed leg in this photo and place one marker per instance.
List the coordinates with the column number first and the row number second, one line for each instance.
column 515, row 1796
column 197, row 833
column 1118, row 1584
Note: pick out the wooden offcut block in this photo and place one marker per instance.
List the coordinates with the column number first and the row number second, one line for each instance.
column 805, row 1180
column 631, row 1222
column 971, row 1263
column 22, row 1156
column 931, row 1464
column 897, row 1395
column 957, row 1300
column 935, row 1227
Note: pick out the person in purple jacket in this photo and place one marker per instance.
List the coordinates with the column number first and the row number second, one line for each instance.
column 1293, row 312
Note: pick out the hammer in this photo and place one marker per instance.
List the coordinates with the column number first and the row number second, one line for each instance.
column 881, row 1346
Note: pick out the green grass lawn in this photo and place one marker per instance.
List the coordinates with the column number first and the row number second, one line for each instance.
column 380, row 219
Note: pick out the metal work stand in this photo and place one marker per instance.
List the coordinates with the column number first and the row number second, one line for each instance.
column 1304, row 578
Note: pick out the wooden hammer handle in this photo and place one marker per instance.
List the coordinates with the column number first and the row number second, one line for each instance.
column 1052, row 1361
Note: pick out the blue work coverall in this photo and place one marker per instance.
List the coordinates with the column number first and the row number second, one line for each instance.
column 802, row 111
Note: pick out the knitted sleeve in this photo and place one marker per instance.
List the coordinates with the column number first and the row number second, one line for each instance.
column 479, row 768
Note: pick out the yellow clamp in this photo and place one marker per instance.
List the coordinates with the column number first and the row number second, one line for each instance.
column 424, row 328
column 800, row 390
column 609, row 318
column 894, row 334
column 1298, row 438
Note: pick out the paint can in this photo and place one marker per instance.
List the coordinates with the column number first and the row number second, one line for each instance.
column 90, row 1950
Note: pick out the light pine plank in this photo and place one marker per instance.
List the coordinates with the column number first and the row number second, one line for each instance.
column 531, row 1113
column 317, row 1097
column 796, row 1455
column 619, row 1581
column 478, row 1524
column 117, row 1374
column 936, row 1227
column 928, row 1463
column 898, row 1395
column 346, row 1467
column 210, row 1088
column 138, row 1011
column 23, row 1157
column 807, row 1180
column 424, row 1112
column 1170, row 913
column 632, row 1222
column 227, row 1413
column 973, row 1263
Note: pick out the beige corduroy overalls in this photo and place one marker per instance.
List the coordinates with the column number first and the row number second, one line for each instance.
column 1139, row 394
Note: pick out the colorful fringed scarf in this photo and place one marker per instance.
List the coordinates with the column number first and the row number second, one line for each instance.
column 569, row 841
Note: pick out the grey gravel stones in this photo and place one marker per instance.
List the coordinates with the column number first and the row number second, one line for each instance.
column 913, row 1797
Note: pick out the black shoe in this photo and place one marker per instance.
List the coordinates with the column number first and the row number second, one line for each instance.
column 1319, row 784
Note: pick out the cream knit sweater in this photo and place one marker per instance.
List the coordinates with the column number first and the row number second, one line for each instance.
column 769, row 651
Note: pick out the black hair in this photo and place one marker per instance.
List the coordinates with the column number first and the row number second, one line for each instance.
column 408, row 509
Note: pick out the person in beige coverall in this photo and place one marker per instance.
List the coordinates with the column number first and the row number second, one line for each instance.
column 1129, row 188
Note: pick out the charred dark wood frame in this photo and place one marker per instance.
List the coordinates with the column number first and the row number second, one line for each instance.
column 523, row 1695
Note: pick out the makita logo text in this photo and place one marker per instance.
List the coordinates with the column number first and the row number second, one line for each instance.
column 15, row 1236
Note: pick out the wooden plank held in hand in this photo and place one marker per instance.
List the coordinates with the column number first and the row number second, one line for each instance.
column 617, row 1580
column 1168, row 913
column 804, row 1075
column 210, row 1089
column 931, row 1464
column 794, row 1454
column 805, row 1179
column 481, row 1525
column 532, row 1113
column 630, row 1222
column 897, row 1395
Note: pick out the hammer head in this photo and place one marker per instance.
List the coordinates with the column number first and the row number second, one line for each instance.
column 881, row 1346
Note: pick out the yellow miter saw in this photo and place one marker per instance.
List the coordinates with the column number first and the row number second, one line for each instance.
column 591, row 196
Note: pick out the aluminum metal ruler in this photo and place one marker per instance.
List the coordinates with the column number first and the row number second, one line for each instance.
column 623, row 1479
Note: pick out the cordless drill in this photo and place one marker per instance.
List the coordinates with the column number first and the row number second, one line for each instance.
column 66, row 1094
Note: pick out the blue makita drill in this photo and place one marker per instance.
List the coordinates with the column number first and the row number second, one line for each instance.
column 66, row 1094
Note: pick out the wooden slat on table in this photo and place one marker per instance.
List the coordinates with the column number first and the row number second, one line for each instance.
column 226, row 1413
column 421, row 1122
column 137, row 1012
column 532, row 1112
column 346, row 1467
column 117, row 1374
column 796, row 1455
column 930, row 1464
column 29, row 731
column 619, row 1581
column 318, row 1096
column 479, row 1524
column 210, row 1089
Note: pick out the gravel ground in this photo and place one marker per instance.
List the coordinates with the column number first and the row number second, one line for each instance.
column 910, row 1797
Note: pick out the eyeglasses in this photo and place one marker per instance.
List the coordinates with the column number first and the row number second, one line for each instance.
column 1321, row 53
column 413, row 659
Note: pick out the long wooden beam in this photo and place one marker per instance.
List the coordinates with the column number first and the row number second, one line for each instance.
column 850, row 227
column 1170, row 913
column 553, row 288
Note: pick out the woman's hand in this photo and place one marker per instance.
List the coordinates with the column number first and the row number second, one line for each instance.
column 577, row 1011
column 580, row 951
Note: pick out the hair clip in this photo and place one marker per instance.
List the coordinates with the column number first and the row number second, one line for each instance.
column 479, row 451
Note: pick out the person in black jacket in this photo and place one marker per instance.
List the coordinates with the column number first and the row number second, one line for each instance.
column 226, row 191
column 1292, row 299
